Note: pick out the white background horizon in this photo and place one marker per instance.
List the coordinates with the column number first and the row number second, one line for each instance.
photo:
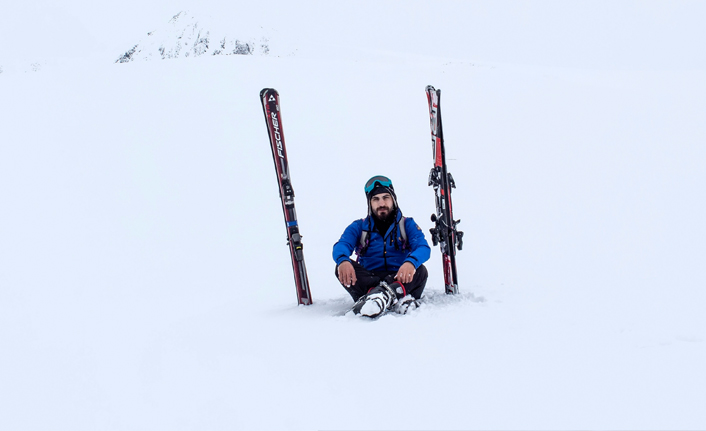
column 632, row 35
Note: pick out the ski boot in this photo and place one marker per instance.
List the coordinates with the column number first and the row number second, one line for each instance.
column 406, row 304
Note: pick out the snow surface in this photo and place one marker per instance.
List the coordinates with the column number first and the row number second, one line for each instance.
column 145, row 282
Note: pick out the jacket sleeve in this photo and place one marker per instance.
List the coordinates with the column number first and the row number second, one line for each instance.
column 345, row 246
column 420, row 248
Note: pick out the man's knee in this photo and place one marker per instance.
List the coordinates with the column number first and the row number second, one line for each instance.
column 421, row 273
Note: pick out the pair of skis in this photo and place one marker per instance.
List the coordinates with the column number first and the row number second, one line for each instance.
column 444, row 232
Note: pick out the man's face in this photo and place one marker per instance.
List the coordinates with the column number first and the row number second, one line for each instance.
column 381, row 204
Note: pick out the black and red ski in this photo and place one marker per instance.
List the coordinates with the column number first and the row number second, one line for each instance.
column 270, row 104
column 444, row 231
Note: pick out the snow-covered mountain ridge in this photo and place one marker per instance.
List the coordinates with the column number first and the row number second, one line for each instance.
column 185, row 35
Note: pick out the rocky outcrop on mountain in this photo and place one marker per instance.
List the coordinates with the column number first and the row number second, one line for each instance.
column 186, row 36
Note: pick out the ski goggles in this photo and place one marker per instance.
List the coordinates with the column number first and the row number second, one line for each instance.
column 378, row 179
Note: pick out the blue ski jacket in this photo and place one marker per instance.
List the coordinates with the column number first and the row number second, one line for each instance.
column 383, row 254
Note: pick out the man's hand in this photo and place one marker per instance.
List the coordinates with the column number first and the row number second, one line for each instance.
column 406, row 273
column 346, row 274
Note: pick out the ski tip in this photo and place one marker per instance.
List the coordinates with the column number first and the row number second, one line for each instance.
column 269, row 96
column 430, row 88
column 267, row 90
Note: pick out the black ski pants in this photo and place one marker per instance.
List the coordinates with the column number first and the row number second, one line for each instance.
column 366, row 280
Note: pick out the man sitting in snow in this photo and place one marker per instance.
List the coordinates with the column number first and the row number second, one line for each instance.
column 391, row 249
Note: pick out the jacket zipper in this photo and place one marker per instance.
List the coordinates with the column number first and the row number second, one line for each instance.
column 384, row 251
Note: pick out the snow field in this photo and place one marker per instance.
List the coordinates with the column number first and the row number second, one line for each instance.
column 146, row 283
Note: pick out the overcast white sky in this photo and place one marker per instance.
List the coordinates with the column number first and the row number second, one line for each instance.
column 586, row 34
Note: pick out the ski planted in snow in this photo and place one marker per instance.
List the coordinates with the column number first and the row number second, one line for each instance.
column 444, row 231
column 270, row 104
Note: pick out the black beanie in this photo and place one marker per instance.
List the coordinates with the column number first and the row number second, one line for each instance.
column 379, row 188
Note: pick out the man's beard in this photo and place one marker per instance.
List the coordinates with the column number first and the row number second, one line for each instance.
column 385, row 216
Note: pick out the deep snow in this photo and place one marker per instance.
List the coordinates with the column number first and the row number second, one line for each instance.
column 145, row 282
